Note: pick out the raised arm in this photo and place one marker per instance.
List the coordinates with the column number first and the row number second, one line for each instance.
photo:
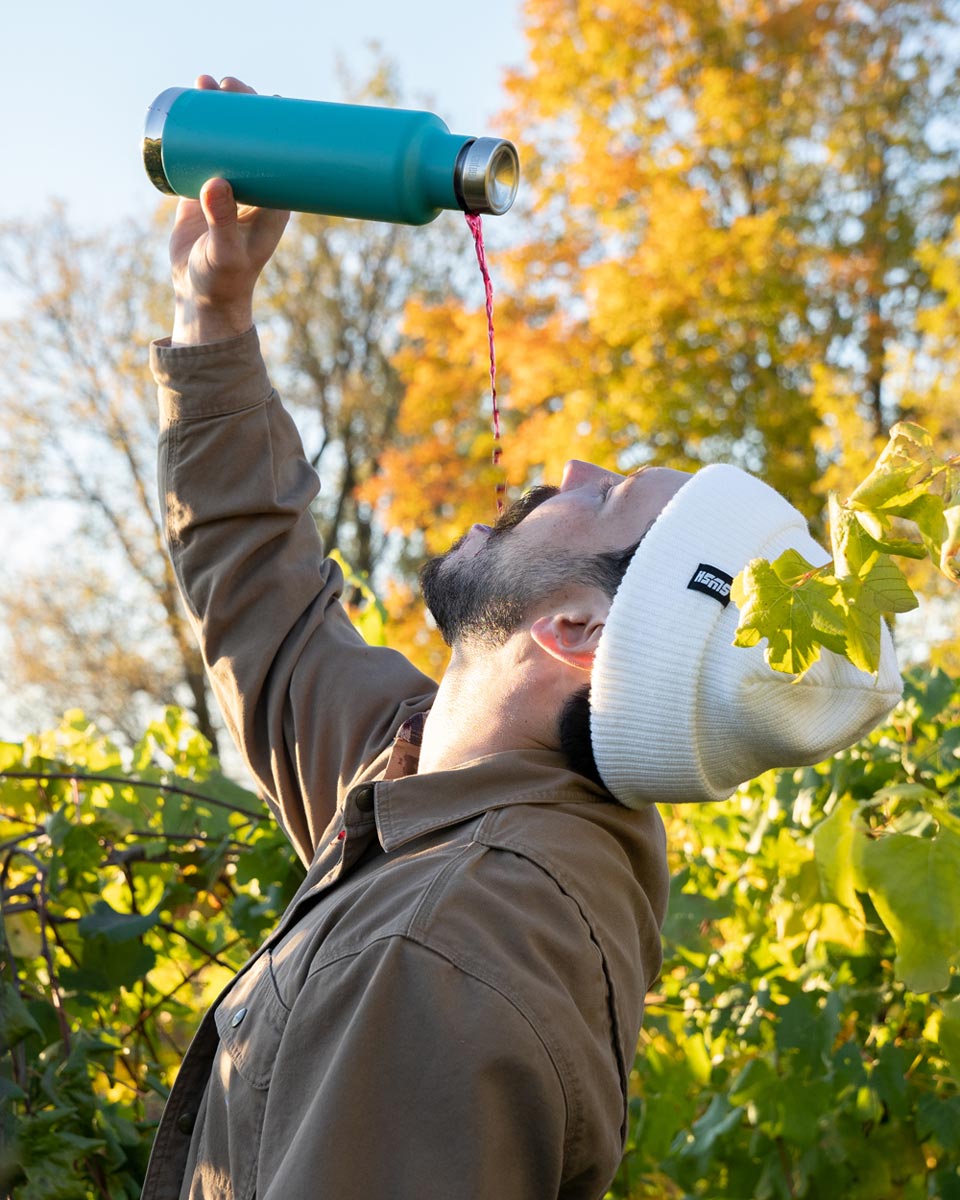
column 308, row 703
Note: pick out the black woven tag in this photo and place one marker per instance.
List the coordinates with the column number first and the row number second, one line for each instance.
column 712, row 582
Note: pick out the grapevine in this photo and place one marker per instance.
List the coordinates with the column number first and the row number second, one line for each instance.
column 907, row 507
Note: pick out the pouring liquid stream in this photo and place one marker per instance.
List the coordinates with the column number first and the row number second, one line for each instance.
column 476, row 228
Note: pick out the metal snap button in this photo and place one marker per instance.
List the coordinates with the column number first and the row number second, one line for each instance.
column 238, row 1017
column 363, row 798
column 186, row 1122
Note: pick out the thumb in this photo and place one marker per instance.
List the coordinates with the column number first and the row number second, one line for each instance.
column 220, row 210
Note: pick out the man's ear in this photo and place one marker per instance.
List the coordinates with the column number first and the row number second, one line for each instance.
column 569, row 637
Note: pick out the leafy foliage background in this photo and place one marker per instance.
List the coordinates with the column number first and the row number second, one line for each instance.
column 804, row 1038
column 133, row 887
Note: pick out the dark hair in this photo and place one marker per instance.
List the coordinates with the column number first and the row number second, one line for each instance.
column 574, row 726
column 575, row 740
column 606, row 570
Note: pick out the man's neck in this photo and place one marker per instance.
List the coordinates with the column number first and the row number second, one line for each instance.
column 490, row 701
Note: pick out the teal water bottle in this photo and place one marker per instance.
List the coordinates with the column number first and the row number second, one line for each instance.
column 347, row 160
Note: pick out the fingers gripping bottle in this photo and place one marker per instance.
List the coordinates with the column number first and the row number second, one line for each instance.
column 348, row 160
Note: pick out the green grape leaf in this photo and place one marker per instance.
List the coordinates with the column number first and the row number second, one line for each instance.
column 81, row 851
column 901, row 474
column 10, row 1091
column 950, row 550
column 16, row 1023
column 106, row 966
column 940, row 1118
column 914, row 885
column 834, row 844
column 911, row 482
column 887, row 587
column 926, row 512
column 220, row 787
column 859, row 540
column 115, row 926
column 889, row 1078
column 949, row 1036
column 719, row 1118
column 879, row 528
column 807, row 1026
column 882, row 589
column 23, row 935
column 855, row 551
column 791, row 604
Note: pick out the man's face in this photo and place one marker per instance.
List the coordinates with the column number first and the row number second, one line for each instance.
column 486, row 582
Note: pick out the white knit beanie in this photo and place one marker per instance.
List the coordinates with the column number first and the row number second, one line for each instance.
column 677, row 712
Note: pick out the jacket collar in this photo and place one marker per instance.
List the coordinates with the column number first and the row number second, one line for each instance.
column 415, row 805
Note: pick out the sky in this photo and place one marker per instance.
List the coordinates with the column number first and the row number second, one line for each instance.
column 76, row 79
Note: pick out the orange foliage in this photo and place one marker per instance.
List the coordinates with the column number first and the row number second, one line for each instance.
column 411, row 632
column 708, row 260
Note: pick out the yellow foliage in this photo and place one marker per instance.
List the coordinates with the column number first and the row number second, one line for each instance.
column 411, row 631
column 683, row 288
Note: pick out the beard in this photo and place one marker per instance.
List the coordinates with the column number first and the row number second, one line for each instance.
column 480, row 598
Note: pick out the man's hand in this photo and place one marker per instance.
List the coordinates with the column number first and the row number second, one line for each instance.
column 217, row 252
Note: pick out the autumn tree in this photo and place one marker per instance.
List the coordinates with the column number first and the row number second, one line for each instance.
column 93, row 615
column 718, row 253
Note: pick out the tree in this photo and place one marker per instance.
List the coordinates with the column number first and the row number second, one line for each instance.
column 719, row 254
column 98, row 620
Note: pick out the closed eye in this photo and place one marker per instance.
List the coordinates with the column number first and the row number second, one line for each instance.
column 606, row 488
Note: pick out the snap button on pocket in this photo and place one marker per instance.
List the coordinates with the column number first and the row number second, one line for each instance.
column 363, row 798
column 250, row 1020
column 186, row 1122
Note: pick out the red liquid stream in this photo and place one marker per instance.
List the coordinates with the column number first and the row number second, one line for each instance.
column 476, row 228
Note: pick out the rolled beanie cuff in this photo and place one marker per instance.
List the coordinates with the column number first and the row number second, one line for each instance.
column 646, row 681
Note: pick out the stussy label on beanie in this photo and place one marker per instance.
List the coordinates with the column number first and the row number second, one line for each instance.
column 712, row 582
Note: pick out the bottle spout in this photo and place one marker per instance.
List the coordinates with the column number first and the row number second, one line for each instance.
column 486, row 175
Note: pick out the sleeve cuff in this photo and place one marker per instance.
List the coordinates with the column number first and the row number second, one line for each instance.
column 209, row 380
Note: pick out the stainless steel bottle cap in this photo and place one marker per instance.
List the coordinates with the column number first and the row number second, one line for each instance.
column 153, row 138
column 489, row 175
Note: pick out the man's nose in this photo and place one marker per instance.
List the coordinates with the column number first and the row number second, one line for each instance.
column 578, row 474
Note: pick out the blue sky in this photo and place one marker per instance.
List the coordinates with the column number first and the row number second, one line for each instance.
column 76, row 79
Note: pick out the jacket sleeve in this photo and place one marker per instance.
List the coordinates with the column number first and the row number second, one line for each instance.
column 307, row 701
column 404, row 1076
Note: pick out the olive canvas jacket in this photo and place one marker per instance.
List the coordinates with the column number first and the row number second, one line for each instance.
column 449, row 1007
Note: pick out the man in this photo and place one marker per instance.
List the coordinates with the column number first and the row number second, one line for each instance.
column 450, row 1006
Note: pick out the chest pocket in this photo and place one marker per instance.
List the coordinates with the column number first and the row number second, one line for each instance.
column 250, row 1021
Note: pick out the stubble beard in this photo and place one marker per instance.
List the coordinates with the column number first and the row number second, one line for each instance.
column 479, row 599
